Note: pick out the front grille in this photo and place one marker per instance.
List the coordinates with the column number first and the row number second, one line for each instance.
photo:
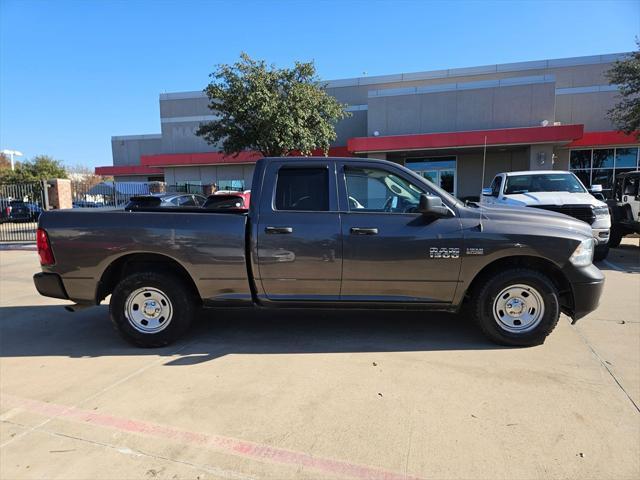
column 581, row 212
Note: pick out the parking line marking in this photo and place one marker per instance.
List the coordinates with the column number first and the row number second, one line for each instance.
column 229, row 445
column 98, row 393
column 613, row 266
column 219, row 472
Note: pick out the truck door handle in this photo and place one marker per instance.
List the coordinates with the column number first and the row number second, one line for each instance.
column 278, row 230
column 363, row 231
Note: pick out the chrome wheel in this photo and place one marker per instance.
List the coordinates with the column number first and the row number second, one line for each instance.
column 148, row 310
column 518, row 308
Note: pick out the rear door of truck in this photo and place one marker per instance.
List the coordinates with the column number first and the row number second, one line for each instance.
column 299, row 250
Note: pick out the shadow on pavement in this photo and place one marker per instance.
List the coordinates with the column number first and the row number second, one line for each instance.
column 51, row 331
column 625, row 258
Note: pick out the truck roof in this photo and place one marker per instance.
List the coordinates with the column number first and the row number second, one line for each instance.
column 537, row 172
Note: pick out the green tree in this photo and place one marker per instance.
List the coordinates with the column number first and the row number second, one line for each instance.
column 5, row 162
column 40, row 167
column 626, row 74
column 272, row 110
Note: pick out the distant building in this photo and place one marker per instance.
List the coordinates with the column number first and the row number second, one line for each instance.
column 531, row 115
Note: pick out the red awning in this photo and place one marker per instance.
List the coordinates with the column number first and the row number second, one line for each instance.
column 218, row 158
column 606, row 138
column 473, row 138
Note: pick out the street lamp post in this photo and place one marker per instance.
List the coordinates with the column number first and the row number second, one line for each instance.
column 11, row 153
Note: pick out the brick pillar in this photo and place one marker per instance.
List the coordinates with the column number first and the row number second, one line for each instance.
column 60, row 193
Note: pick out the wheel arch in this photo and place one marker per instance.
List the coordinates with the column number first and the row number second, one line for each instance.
column 547, row 267
column 137, row 262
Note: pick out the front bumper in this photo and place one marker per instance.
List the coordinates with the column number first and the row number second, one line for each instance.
column 50, row 285
column 587, row 284
column 601, row 235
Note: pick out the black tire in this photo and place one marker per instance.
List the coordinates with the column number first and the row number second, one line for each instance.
column 615, row 237
column 483, row 298
column 601, row 252
column 181, row 302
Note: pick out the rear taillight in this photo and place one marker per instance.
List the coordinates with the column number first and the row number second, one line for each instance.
column 44, row 248
column 8, row 211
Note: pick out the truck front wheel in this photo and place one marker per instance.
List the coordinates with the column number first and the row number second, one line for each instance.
column 601, row 252
column 517, row 307
column 615, row 237
column 150, row 309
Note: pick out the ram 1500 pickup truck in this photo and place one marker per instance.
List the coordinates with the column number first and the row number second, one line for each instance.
column 324, row 233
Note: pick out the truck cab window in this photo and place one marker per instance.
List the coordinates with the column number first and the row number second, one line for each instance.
column 495, row 186
column 302, row 189
column 376, row 190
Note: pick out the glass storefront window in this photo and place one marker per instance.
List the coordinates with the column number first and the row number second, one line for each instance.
column 604, row 177
column 580, row 159
column 447, row 179
column 626, row 157
column 606, row 165
column 440, row 171
column 603, row 158
column 234, row 185
column 584, row 176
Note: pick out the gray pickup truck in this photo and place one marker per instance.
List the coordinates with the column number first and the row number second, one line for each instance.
column 324, row 233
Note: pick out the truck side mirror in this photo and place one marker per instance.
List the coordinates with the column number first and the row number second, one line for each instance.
column 487, row 192
column 432, row 205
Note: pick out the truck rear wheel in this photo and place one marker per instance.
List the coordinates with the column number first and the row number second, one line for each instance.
column 517, row 307
column 151, row 309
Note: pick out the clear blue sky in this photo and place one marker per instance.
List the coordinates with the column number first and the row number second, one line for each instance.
column 75, row 73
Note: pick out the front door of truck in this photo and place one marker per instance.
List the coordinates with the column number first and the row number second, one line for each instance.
column 298, row 233
column 390, row 252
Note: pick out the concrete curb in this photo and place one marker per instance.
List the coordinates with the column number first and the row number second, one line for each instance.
column 18, row 246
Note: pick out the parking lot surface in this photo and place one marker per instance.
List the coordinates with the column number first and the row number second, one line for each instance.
column 318, row 395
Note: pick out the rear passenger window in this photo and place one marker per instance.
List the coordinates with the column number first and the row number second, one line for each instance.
column 302, row 189
column 186, row 201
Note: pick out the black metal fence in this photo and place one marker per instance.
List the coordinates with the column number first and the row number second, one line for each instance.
column 117, row 194
column 21, row 204
column 20, row 207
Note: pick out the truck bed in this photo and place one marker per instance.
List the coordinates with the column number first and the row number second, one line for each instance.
column 208, row 245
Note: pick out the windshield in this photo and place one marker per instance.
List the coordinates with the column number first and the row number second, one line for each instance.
column 543, row 182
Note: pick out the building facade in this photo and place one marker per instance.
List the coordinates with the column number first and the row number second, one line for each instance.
column 548, row 114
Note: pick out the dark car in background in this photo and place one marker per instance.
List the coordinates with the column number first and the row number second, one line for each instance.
column 18, row 211
column 170, row 200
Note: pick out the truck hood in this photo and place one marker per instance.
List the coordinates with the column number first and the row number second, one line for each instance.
column 524, row 220
column 552, row 198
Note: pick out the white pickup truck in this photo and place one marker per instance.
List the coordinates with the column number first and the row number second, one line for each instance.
column 553, row 190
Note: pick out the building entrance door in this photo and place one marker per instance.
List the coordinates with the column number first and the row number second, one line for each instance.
column 440, row 171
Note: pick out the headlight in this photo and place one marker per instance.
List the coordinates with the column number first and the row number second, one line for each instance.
column 583, row 255
column 601, row 211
